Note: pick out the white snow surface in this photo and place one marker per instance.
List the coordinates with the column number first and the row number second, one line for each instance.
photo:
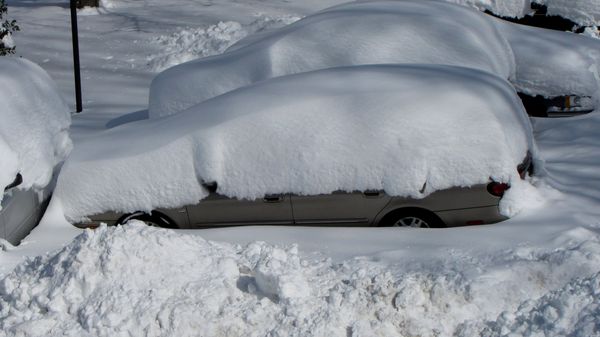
column 385, row 127
column 351, row 34
column 34, row 122
column 535, row 274
column 192, row 43
column 153, row 282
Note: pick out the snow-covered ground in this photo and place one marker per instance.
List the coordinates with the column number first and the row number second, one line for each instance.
column 536, row 274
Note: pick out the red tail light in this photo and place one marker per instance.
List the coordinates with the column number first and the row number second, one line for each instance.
column 497, row 189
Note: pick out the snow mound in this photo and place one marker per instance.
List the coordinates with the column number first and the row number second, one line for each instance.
column 156, row 282
column 350, row 34
column 193, row 43
column 349, row 128
column 34, row 122
column 552, row 63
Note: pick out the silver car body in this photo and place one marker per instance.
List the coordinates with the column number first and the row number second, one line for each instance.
column 454, row 207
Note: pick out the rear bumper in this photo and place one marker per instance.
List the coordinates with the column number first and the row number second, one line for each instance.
column 471, row 216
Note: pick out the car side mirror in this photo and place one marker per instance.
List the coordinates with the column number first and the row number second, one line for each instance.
column 18, row 180
column 211, row 186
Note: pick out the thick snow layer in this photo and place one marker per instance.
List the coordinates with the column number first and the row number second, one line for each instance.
column 34, row 122
column 143, row 281
column 389, row 127
column 552, row 63
column 351, row 34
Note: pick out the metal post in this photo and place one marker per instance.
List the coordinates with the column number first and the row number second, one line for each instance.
column 76, row 69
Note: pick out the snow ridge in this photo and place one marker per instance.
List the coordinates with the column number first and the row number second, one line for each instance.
column 120, row 279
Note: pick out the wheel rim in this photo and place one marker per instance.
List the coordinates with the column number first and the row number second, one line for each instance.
column 411, row 221
column 140, row 216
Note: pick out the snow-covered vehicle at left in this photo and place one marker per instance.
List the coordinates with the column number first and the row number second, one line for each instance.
column 34, row 140
column 387, row 139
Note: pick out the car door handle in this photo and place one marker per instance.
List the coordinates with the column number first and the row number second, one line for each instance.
column 371, row 193
column 273, row 198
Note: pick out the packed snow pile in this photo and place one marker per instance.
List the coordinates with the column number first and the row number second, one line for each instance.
column 351, row 34
column 154, row 282
column 349, row 128
column 193, row 43
column 34, row 122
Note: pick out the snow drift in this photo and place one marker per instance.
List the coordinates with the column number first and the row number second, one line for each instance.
column 350, row 34
column 388, row 127
column 145, row 281
column 34, row 122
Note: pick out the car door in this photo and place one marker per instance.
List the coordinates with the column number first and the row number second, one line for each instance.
column 341, row 208
column 219, row 210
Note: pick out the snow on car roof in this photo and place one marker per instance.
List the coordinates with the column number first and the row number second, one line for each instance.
column 388, row 127
column 34, row 122
column 349, row 34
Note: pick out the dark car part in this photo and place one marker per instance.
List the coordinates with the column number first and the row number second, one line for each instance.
column 18, row 181
column 154, row 219
column 558, row 106
column 412, row 217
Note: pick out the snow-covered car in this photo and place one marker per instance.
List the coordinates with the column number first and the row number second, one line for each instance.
column 381, row 144
column 34, row 140
column 536, row 61
column 355, row 33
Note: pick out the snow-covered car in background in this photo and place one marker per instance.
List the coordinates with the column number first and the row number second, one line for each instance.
column 356, row 33
column 34, row 140
column 536, row 61
column 381, row 144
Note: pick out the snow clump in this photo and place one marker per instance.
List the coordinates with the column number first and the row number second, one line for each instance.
column 34, row 123
column 350, row 34
column 349, row 128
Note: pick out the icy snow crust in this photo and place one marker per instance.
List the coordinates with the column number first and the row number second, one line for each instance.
column 153, row 282
column 34, row 122
column 350, row 34
column 387, row 127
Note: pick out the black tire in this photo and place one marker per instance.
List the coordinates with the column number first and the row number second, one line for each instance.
column 154, row 219
column 412, row 217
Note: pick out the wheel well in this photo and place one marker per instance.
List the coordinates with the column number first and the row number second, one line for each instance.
column 155, row 216
column 386, row 220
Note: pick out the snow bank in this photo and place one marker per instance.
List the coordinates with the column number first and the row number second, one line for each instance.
column 34, row 122
column 154, row 282
column 552, row 63
column 349, row 128
column 193, row 43
column 350, row 34
column 582, row 12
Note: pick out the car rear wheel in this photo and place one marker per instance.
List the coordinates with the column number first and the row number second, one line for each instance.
column 415, row 218
column 154, row 219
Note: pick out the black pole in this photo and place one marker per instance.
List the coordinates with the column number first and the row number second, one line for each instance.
column 76, row 69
